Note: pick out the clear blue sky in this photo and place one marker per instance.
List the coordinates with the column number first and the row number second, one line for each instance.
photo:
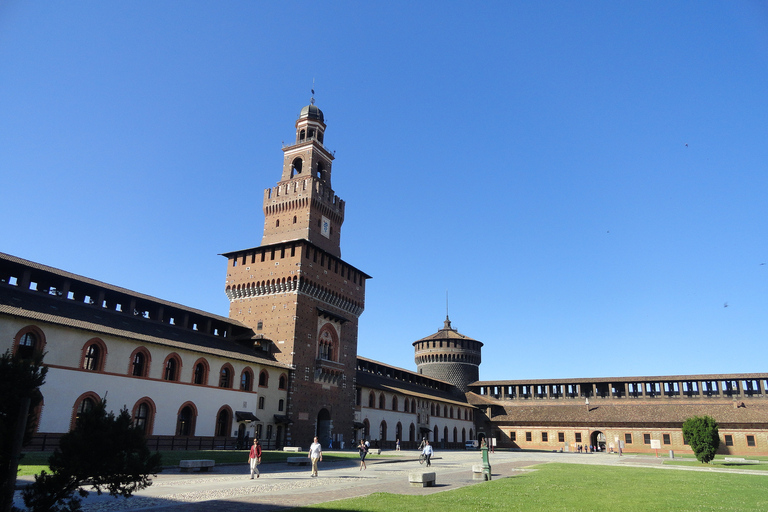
column 586, row 180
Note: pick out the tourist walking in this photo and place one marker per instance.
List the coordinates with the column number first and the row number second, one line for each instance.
column 397, row 445
column 254, row 458
column 363, row 452
column 315, row 455
column 427, row 452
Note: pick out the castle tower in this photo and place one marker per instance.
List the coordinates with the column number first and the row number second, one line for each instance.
column 450, row 356
column 302, row 300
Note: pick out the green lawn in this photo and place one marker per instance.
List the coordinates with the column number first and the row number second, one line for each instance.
column 717, row 463
column 572, row 487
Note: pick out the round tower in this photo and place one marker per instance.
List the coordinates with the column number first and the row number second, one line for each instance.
column 450, row 356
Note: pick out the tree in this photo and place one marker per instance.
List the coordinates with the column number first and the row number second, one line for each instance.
column 703, row 436
column 103, row 450
column 20, row 381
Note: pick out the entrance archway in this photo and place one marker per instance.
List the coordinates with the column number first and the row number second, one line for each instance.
column 597, row 439
column 324, row 427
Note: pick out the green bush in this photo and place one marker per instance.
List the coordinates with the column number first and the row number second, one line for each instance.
column 703, row 436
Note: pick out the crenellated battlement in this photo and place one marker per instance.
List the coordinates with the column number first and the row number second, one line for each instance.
column 297, row 193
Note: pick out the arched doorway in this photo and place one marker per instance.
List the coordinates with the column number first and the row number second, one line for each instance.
column 324, row 427
column 597, row 439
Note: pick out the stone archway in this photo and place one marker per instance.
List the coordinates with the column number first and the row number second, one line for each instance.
column 597, row 439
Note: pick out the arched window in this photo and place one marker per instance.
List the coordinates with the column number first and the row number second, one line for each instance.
column 445, row 412
column 92, row 358
column 432, row 409
column 172, row 368
column 371, row 400
column 455, row 434
column 223, row 422
column 394, row 403
column 84, row 403
column 297, row 163
column 29, row 342
column 280, row 405
column 94, row 353
column 406, row 406
column 451, row 413
column 463, row 435
column 246, row 380
column 399, row 431
column 185, row 421
column 413, row 406
column 445, row 433
column 225, row 376
column 263, row 379
column 412, row 433
column 383, row 430
column 327, row 342
column 143, row 414
column 282, row 383
column 200, row 373
column 366, row 429
column 27, row 345
column 140, row 362
column 436, row 434
column 382, row 401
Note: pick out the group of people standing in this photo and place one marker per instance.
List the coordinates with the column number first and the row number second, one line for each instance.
column 316, row 454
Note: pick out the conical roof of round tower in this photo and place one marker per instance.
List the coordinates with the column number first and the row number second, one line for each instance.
column 447, row 333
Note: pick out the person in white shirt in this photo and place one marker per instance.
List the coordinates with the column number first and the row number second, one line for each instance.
column 316, row 455
column 427, row 451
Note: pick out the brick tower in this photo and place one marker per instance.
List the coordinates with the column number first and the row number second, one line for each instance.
column 302, row 300
column 450, row 356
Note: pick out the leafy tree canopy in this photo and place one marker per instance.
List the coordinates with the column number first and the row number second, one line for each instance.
column 104, row 450
column 20, row 380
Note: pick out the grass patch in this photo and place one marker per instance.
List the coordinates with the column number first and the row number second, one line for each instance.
column 720, row 464
column 576, row 487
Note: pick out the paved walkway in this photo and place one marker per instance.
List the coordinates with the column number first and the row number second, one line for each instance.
column 229, row 488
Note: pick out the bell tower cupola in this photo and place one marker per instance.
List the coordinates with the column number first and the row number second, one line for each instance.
column 303, row 205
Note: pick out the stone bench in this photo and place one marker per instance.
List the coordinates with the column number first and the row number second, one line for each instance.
column 298, row 461
column 201, row 464
column 291, row 448
column 374, row 451
column 741, row 460
column 421, row 479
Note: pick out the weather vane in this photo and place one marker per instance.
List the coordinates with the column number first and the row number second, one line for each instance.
column 312, row 100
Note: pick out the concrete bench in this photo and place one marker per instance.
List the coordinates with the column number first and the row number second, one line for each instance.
column 291, row 448
column 374, row 451
column 740, row 460
column 201, row 464
column 298, row 461
column 421, row 479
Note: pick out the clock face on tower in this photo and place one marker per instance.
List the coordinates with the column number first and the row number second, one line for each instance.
column 325, row 227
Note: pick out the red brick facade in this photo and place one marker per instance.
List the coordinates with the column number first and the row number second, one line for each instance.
column 302, row 300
